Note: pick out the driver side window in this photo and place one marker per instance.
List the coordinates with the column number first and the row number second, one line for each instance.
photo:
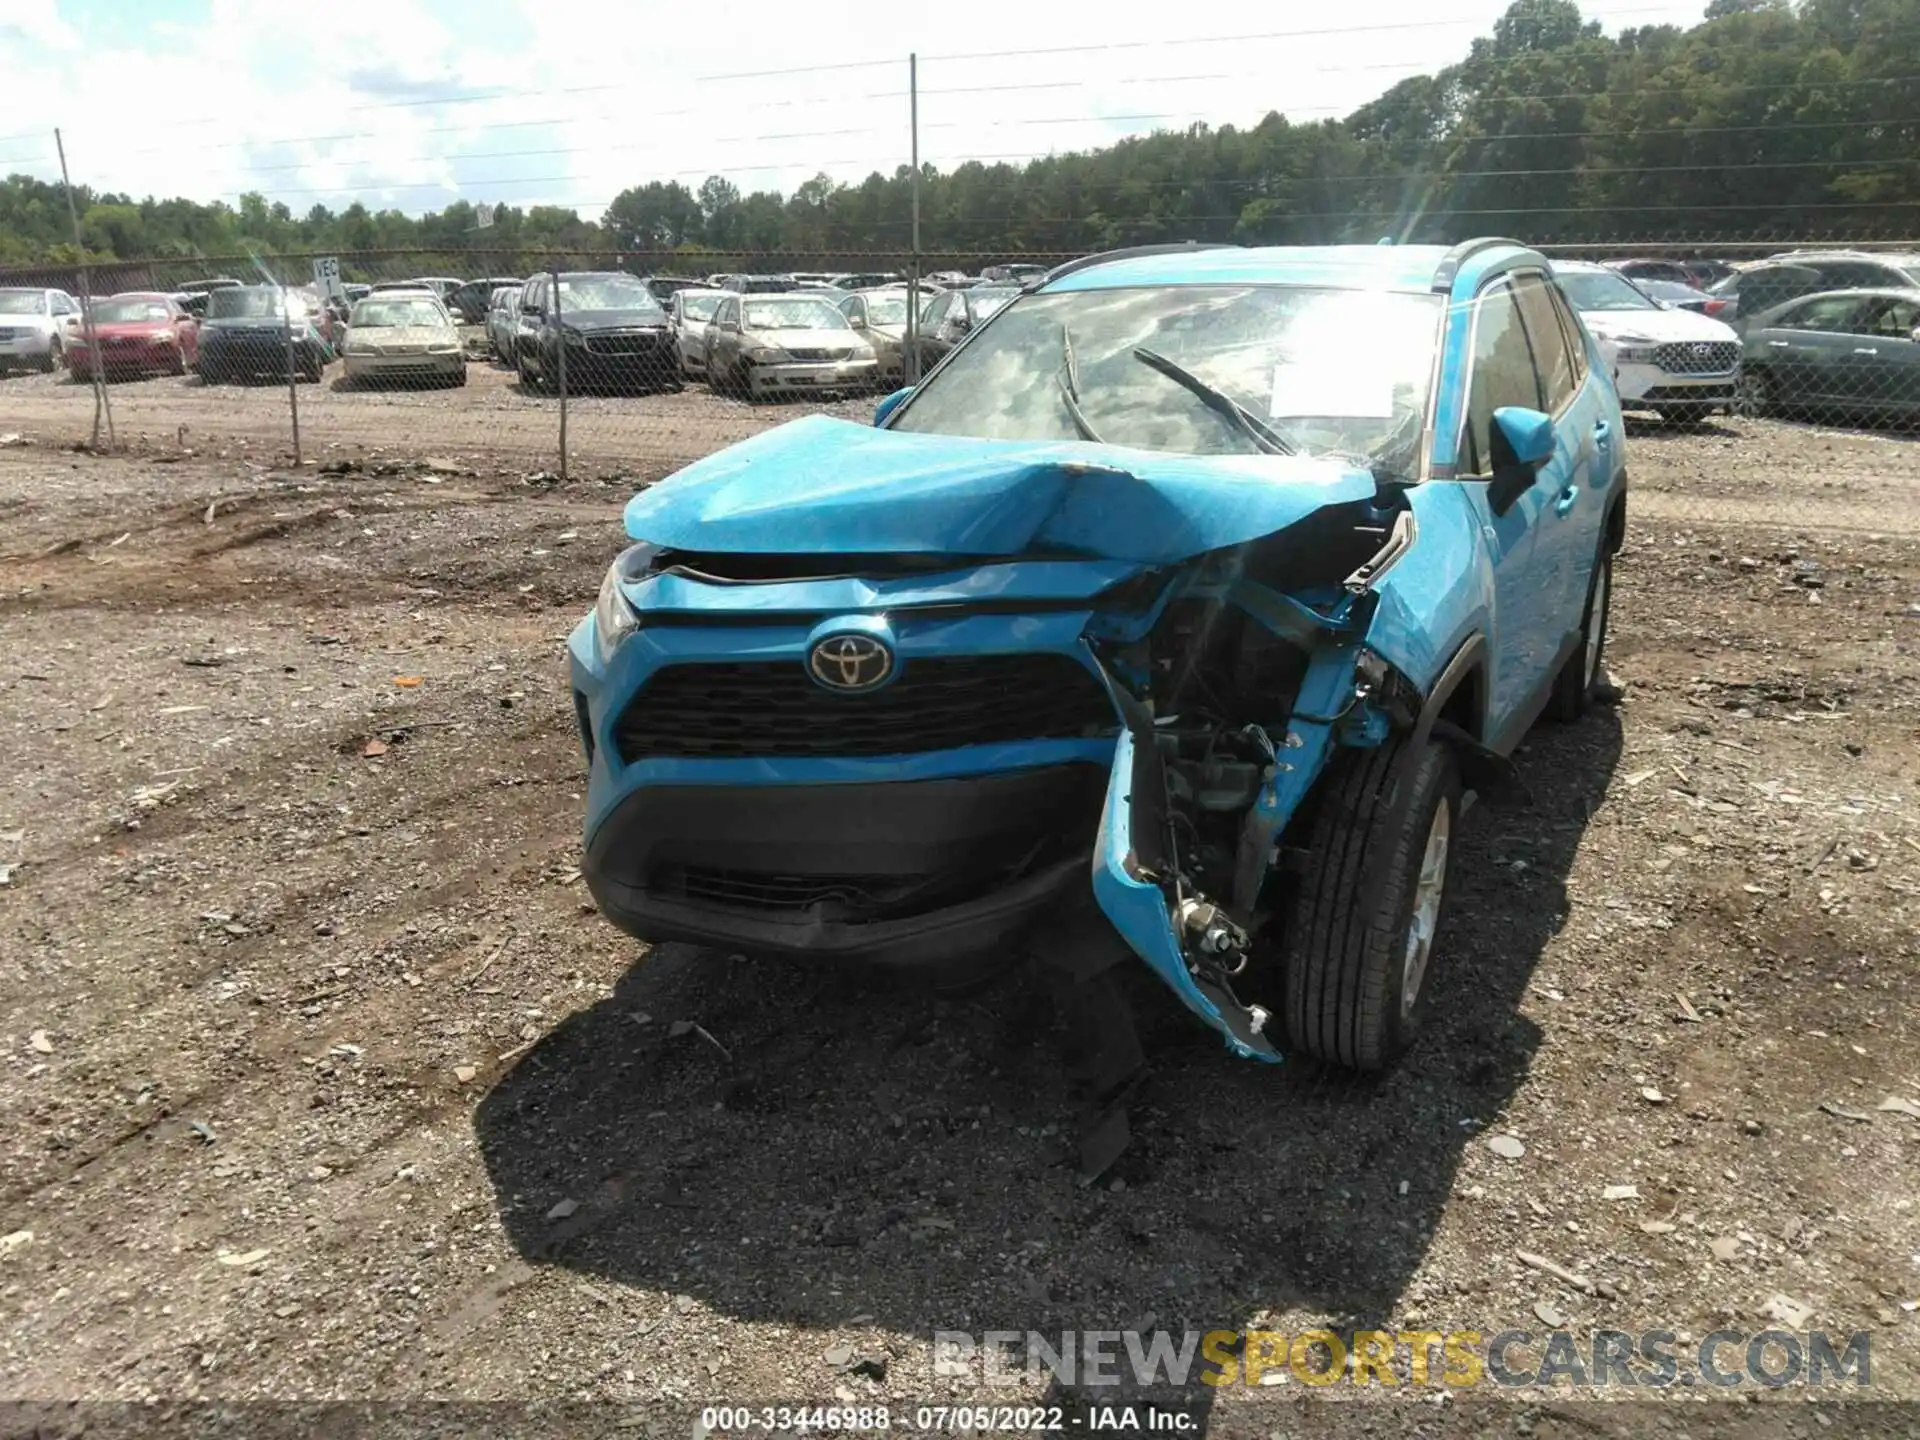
column 1503, row 374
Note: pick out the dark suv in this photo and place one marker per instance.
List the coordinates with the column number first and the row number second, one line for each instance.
column 1781, row 278
column 614, row 331
column 244, row 335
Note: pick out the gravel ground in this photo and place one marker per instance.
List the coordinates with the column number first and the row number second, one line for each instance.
column 321, row 1080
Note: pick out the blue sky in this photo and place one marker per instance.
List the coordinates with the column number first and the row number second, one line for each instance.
column 413, row 103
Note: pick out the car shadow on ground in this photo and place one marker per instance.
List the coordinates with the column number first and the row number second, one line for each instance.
column 805, row 1146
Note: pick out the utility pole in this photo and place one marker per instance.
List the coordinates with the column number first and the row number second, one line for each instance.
column 96, row 362
column 912, row 368
column 560, row 365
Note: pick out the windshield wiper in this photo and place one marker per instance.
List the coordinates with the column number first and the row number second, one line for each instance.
column 1243, row 419
column 1070, row 389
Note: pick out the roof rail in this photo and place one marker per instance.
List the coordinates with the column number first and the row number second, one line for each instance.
column 1133, row 252
column 1449, row 267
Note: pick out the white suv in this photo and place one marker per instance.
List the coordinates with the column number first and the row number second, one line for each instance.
column 34, row 326
column 1676, row 362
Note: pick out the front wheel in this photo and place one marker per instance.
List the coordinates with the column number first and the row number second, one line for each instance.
column 1361, row 929
column 51, row 361
column 1573, row 687
column 1757, row 397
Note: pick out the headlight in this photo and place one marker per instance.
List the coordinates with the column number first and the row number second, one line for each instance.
column 767, row 354
column 1635, row 351
column 574, row 337
column 444, row 347
column 614, row 618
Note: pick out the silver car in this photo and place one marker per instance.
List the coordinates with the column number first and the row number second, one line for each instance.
column 691, row 311
column 881, row 318
column 503, row 321
column 35, row 326
column 396, row 335
column 795, row 344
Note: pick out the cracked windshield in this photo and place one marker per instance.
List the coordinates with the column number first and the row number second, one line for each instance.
column 1198, row 370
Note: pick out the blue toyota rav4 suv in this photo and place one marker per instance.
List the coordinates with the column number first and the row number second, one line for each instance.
column 1202, row 581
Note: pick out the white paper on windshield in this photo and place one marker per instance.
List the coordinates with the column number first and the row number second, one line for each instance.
column 1322, row 387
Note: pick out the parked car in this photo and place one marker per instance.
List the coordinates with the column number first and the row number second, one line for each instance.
column 881, row 318
column 615, row 333
column 245, row 335
column 757, row 284
column 868, row 280
column 1780, row 278
column 468, row 303
column 355, row 291
column 1012, row 274
column 503, row 315
column 1638, row 270
column 36, row 327
column 948, row 318
column 1842, row 354
column 1200, row 575
column 665, row 286
column 139, row 333
column 815, row 279
column 1681, row 364
column 1704, row 274
column 764, row 346
column 411, row 339
column 1675, row 296
column 690, row 312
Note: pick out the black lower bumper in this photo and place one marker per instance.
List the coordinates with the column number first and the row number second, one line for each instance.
column 910, row 873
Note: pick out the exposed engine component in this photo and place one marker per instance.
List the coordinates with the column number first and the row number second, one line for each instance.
column 1210, row 931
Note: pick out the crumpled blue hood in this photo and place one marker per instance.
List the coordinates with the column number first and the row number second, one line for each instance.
column 821, row 485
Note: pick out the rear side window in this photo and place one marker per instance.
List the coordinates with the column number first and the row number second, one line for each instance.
column 1773, row 285
column 1572, row 332
column 1827, row 313
column 1502, row 374
column 1857, row 274
column 1555, row 361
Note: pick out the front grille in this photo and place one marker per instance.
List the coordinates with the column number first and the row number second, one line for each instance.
column 813, row 356
column 1711, row 357
column 642, row 344
column 773, row 709
column 757, row 890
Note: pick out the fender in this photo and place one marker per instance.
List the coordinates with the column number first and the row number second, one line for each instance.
column 1470, row 656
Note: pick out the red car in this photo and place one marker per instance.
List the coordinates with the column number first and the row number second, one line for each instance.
column 138, row 332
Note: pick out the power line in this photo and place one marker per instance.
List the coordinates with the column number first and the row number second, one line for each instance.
column 1396, row 25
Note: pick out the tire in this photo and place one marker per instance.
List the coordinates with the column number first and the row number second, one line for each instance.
column 460, row 377
column 1685, row 414
column 52, row 360
column 1362, row 924
column 527, row 381
column 1573, row 687
column 1757, row 396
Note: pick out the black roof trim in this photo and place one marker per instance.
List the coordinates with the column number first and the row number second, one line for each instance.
column 1448, row 269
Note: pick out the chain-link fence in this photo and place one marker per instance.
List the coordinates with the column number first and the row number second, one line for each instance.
column 648, row 360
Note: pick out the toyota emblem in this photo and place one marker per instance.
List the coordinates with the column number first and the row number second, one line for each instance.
column 850, row 663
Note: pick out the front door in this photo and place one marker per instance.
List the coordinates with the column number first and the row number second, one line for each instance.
column 1528, row 590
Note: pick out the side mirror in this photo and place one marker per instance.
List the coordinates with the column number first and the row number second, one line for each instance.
column 858, row 322
column 1915, row 337
column 890, row 404
column 1522, row 442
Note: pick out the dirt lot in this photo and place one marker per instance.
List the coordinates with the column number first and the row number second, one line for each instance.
column 320, row 1079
